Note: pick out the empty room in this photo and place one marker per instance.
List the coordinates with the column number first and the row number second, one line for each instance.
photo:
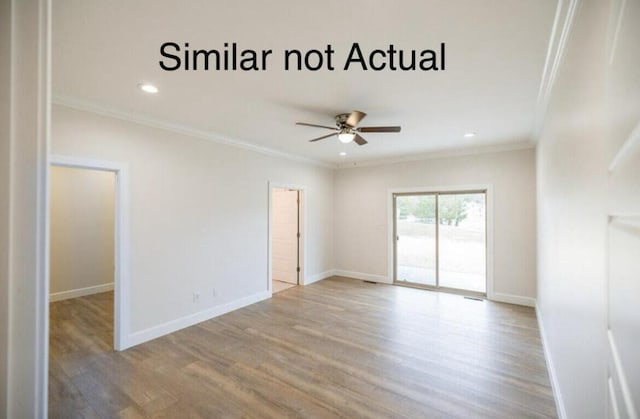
column 419, row 209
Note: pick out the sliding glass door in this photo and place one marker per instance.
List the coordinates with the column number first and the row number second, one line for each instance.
column 440, row 240
column 416, row 239
column 462, row 241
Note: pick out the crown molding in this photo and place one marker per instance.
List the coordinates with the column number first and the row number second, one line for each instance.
column 149, row 121
column 630, row 144
column 560, row 33
column 146, row 120
column 455, row 152
column 622, row 5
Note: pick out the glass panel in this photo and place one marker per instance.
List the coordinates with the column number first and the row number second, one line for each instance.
column 416, row 239
column 462, row 238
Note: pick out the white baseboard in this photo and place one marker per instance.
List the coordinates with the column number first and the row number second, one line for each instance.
column 319, row 277
column 195, row 318
column 80, row 292
column 555, row 385
column 363, row 276
column 499, row 297
column 512, row 299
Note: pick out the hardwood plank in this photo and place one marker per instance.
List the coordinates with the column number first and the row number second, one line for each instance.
column 337, row 348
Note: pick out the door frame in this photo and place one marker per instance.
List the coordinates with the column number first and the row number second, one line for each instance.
column 302, row 224
column 121, row 279
column 391, row 228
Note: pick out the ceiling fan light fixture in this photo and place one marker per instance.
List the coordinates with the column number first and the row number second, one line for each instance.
column 346, row 137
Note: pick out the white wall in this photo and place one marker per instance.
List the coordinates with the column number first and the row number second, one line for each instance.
column 594, row 107
column 81, row 221
column 361, row 213
column 284, row 250
column 23, row 116
column 5, row 160
column 199, row 213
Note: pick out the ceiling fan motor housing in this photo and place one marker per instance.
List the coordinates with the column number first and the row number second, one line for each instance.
column 341, row 120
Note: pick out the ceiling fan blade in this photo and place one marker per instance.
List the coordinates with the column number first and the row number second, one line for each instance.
column 354, row 118
column 314, row 125
column 359, row 140
column 323, row 137
column 379, row 129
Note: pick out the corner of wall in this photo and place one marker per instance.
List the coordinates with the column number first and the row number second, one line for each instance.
column 319, row 277
column 154, row 332
column 5, row 156
column 363, row 276
column 512, row 299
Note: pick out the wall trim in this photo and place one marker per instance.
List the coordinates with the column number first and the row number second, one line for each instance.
column 548, row 61
column 192, row 319
column 616, row 33
column 497, row 297
column 488, row 187
column 619, row 395
column 513, row 299
column 86, row 106
column 621, row 377
column 319, row 277
column 631, row 143
column 553, row 376
column 43, row 14
column 122, row 250
column 149, row 121
column 80, row 292
column 441, row 154
column 613, row 403
column 363, row 276
column 558, row 40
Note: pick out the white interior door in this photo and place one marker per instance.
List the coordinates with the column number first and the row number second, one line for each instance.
column 285, row 235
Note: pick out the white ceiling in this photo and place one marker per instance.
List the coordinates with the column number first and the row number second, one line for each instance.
column 496, row 53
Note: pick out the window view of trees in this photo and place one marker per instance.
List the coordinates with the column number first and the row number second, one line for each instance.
column 461, row 240
column 451, row 211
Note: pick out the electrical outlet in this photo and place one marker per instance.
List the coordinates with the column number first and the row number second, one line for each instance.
column 196, row 297
column 214, row 293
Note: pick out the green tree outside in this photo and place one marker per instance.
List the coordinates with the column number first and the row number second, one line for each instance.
column 452, row 209
column 425, row 210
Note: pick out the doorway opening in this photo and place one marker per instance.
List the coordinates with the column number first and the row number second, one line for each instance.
column 88, row 242
column 440, row 240
column 82, row 228
column 286, row 238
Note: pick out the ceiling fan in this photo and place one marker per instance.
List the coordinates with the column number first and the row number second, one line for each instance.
column 347, row 128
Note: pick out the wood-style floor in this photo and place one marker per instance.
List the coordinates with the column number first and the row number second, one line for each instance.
column 337, row 348
column 279, row 286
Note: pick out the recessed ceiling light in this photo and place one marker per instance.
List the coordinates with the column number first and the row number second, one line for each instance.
column 148, row 88
column 343, row 153
column 469, row 134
